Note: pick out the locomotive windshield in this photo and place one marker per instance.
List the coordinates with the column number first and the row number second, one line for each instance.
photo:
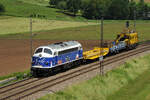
column 39, row 50
column 48, row 51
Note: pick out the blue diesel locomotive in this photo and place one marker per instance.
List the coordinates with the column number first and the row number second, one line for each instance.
column 48, row 57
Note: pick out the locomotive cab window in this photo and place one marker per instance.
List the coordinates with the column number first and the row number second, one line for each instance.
column 39, row 50
column 48, row 51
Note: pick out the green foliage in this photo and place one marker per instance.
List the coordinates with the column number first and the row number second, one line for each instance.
column 2, row 8
column 142, row 9
column 132, row 8
column 119, row 9
column 110, row 9
column 93, row 10
column 73, row 6
column 18, row 75
column 54, row 2
column 62, row 5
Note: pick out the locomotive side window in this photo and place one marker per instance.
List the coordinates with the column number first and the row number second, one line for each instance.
column 48, row 51
column 67, row 51
column 39, row 50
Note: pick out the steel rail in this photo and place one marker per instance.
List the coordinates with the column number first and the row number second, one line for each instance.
column 18, row 84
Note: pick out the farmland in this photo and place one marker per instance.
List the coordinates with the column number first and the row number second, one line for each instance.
column 37, row 2
column 21, row 25
column 144, row 0
column 58, row 31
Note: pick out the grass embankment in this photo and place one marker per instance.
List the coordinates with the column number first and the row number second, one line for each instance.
column 138, row 89
column 91, row 32
column 18, row 75
column 101, row 87
column 25, row 8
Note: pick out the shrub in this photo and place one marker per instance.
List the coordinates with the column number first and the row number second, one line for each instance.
column 2, row 8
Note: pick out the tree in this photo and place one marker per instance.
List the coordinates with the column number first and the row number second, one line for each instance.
column 73, row 6
column 119, row 9
column 62, row 5
column 91, row 12
column 96, row 8
column 2, row 8
column 53, row 2
column 140, row 8
column 132, row 9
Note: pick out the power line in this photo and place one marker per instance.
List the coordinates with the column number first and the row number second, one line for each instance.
column 101, row 48
column 31, row 41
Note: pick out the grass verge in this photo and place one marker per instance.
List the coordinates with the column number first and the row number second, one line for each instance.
column 99, row 88
column 136, row 90
column 18, row 75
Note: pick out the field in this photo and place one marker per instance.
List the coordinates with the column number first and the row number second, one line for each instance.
column 128, row 82
column 147, row 1
column 37, row 2
column 25, row 8
column 91, row 32
column 13, row 25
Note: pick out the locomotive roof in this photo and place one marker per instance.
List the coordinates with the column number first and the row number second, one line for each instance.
column 64, row 45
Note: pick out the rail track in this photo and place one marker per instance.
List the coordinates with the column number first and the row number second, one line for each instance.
column 30, row 86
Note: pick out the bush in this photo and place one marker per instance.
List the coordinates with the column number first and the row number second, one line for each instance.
column 2, row 8
column 62, row 5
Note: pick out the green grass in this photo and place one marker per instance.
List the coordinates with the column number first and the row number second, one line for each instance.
column 91, row 32
column 100, row 87
column 18, row 75
column 37, row 2
column 24, row 8
column 11, row 25
column 136, row 90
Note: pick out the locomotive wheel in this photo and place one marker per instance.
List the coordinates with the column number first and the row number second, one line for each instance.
column 77, row 63
column 34, row 74
column 68, row 65
column 50, row 72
